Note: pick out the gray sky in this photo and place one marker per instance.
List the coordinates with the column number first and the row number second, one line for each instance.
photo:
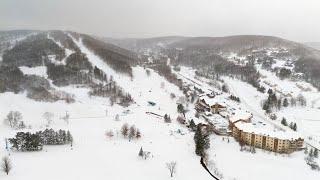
column 297, row 20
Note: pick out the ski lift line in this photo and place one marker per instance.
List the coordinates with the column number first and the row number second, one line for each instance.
column 201, row 85
column 190, row 79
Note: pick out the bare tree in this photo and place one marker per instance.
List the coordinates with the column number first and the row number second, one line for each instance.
column 172, row 95
column 109, row 134
column 124, row 130
column 6, row 165
column 138, row 134
column 116, row 118
column 66, row 117
column 13, row 119
column 171, row 166
column 48, row 116
column 181, row 120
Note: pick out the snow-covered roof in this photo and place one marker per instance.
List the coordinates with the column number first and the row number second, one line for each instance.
column 213, row 101
column 218, row 121
column 240, row 115
column 264, row 130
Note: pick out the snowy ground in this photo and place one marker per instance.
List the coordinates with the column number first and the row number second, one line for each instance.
column 264, row 165
column 39, row 71
column 94, row 156
column 306, row 117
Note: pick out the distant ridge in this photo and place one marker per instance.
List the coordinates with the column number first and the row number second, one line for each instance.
column 315, row 45
column 228, row 43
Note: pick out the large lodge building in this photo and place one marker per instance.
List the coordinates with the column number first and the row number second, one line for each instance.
column 254, row 134
column 244, row 130
column 205, row 103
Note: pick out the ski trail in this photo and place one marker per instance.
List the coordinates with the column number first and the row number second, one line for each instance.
column 141, row 87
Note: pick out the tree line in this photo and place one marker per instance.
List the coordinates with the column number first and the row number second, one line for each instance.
column 27, row 141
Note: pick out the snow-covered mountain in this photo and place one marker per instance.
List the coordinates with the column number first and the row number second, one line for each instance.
column 315, row 45
column 131, row 106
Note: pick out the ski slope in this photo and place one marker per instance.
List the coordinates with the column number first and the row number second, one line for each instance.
column 93, row 155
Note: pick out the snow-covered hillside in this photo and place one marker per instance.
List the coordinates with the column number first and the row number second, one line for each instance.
column 99, row 150
column 93, row 155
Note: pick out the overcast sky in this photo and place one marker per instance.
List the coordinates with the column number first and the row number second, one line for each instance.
column 297, row 20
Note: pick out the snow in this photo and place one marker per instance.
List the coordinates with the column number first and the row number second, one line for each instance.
column 262, row 165
column 39, row 70
column 68, row 52
column 260, row 128
column 94, row 156
column 213, row 101
column 240, row 115
column 286, row 87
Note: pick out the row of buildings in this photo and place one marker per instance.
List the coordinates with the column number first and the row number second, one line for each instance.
column 258, row 134
column 246, row 130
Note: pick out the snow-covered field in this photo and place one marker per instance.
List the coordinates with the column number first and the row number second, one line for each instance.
column 94, row 156
column 262, row 165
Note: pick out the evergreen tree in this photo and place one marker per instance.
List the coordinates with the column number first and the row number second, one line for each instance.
column 311, row 152
column 294, row 127
column 316, row 153
column 167, row 118
column 266, row 107
column 202, row 141
column 69, row 137
column 285, row 102
column 284, row 122
column 279, row 104
column 291, row 125
column 293, row 102
column 141, row 152
column 26, row 142
column 225, row 88
column 192, row 125
column 180, row 108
